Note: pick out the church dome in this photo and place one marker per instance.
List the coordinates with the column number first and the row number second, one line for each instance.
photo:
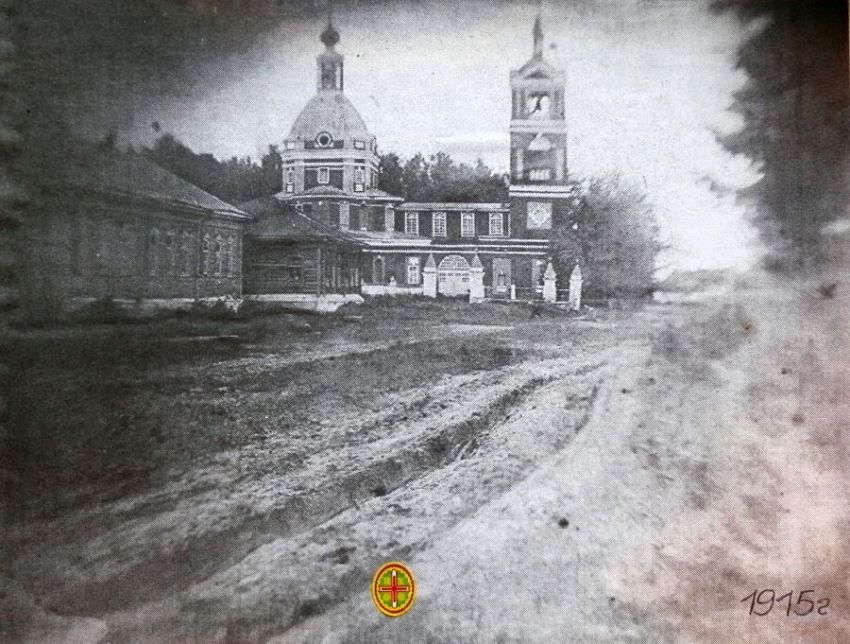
column 329, row 112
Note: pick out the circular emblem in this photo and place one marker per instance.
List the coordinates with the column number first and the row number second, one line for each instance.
column 393, row 589
column 324, row 139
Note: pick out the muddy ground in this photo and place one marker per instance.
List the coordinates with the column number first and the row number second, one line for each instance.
column 621, row 476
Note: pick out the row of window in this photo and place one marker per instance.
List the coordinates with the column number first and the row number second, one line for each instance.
column 219, row 255
column 323, row 177
column 325, row 140
column 467, row 224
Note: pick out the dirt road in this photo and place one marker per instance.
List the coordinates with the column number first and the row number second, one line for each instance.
column 621, row 478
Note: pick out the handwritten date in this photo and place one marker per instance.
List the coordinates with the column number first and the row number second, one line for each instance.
column 764, row 601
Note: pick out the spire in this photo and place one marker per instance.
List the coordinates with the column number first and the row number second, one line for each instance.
column 538, row 31
column 330, row 60
column 330, row 36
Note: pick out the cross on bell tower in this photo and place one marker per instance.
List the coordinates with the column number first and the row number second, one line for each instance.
column 330, row 61
column 538, row 31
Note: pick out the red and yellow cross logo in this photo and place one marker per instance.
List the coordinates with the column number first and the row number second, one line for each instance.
column 393, row 589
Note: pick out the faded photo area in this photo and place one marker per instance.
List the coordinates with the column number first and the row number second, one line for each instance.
column 432, row 321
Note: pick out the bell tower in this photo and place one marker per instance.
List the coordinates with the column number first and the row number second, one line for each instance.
column 538, row 133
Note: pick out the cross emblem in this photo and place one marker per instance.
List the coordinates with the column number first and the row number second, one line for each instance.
column 393, row 589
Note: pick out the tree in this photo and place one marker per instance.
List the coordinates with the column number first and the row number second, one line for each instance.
column 796, row 112
column 235, row 181
column 391, row 174
column 417, row 181
column 272, row 165
column 612, row 233
column 441, row 179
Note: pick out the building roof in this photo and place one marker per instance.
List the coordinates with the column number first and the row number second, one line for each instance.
column 317, row 192
column 436, row 205
column 274, row 221
column 106, row 170
column 329, row 111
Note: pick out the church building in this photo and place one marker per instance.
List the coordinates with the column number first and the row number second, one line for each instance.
column 330, row 175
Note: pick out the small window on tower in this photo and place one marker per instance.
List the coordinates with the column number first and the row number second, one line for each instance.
column 389, row 219
column 359, row 145
column 359, row 179
column 344, row 218
column 324, row 175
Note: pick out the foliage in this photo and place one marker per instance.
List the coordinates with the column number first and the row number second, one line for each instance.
column 612, row 233
column 439, row 178
column 796, row 113
column 235, row 180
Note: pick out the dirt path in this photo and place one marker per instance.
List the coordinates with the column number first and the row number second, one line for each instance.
column 254, row 521
column 714, row 464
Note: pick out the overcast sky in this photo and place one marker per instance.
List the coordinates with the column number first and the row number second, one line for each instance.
column 649, row 83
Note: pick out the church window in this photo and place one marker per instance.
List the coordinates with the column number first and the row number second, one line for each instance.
column 344, row 215
column 153, row 252
column 467, row 224
column 205, row 254
column 411, row 223
column 232, row 256
column 540, row 174
column 539, row 215
column 324, row 140
column 185, row 252
column 389, row 219
column 359, row 145
column 324, row 175
column 412, row 271
column 438, row 227
column 496, row 224
column 290, row 176
column 359, row 179
column 289, row 145
column 218, row 255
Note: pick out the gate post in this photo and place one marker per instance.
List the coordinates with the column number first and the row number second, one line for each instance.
column 476, row 281
column 575, row 289
column 550, row 294
column 429, row 277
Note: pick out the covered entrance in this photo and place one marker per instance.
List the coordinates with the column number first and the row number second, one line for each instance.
column 453, row 276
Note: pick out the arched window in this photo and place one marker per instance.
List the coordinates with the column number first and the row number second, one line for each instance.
column 205, row 254
column 153, row 251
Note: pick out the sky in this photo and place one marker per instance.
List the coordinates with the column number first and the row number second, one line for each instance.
column 649, row 86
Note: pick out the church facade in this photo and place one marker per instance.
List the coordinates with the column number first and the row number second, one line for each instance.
column 330, row 175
